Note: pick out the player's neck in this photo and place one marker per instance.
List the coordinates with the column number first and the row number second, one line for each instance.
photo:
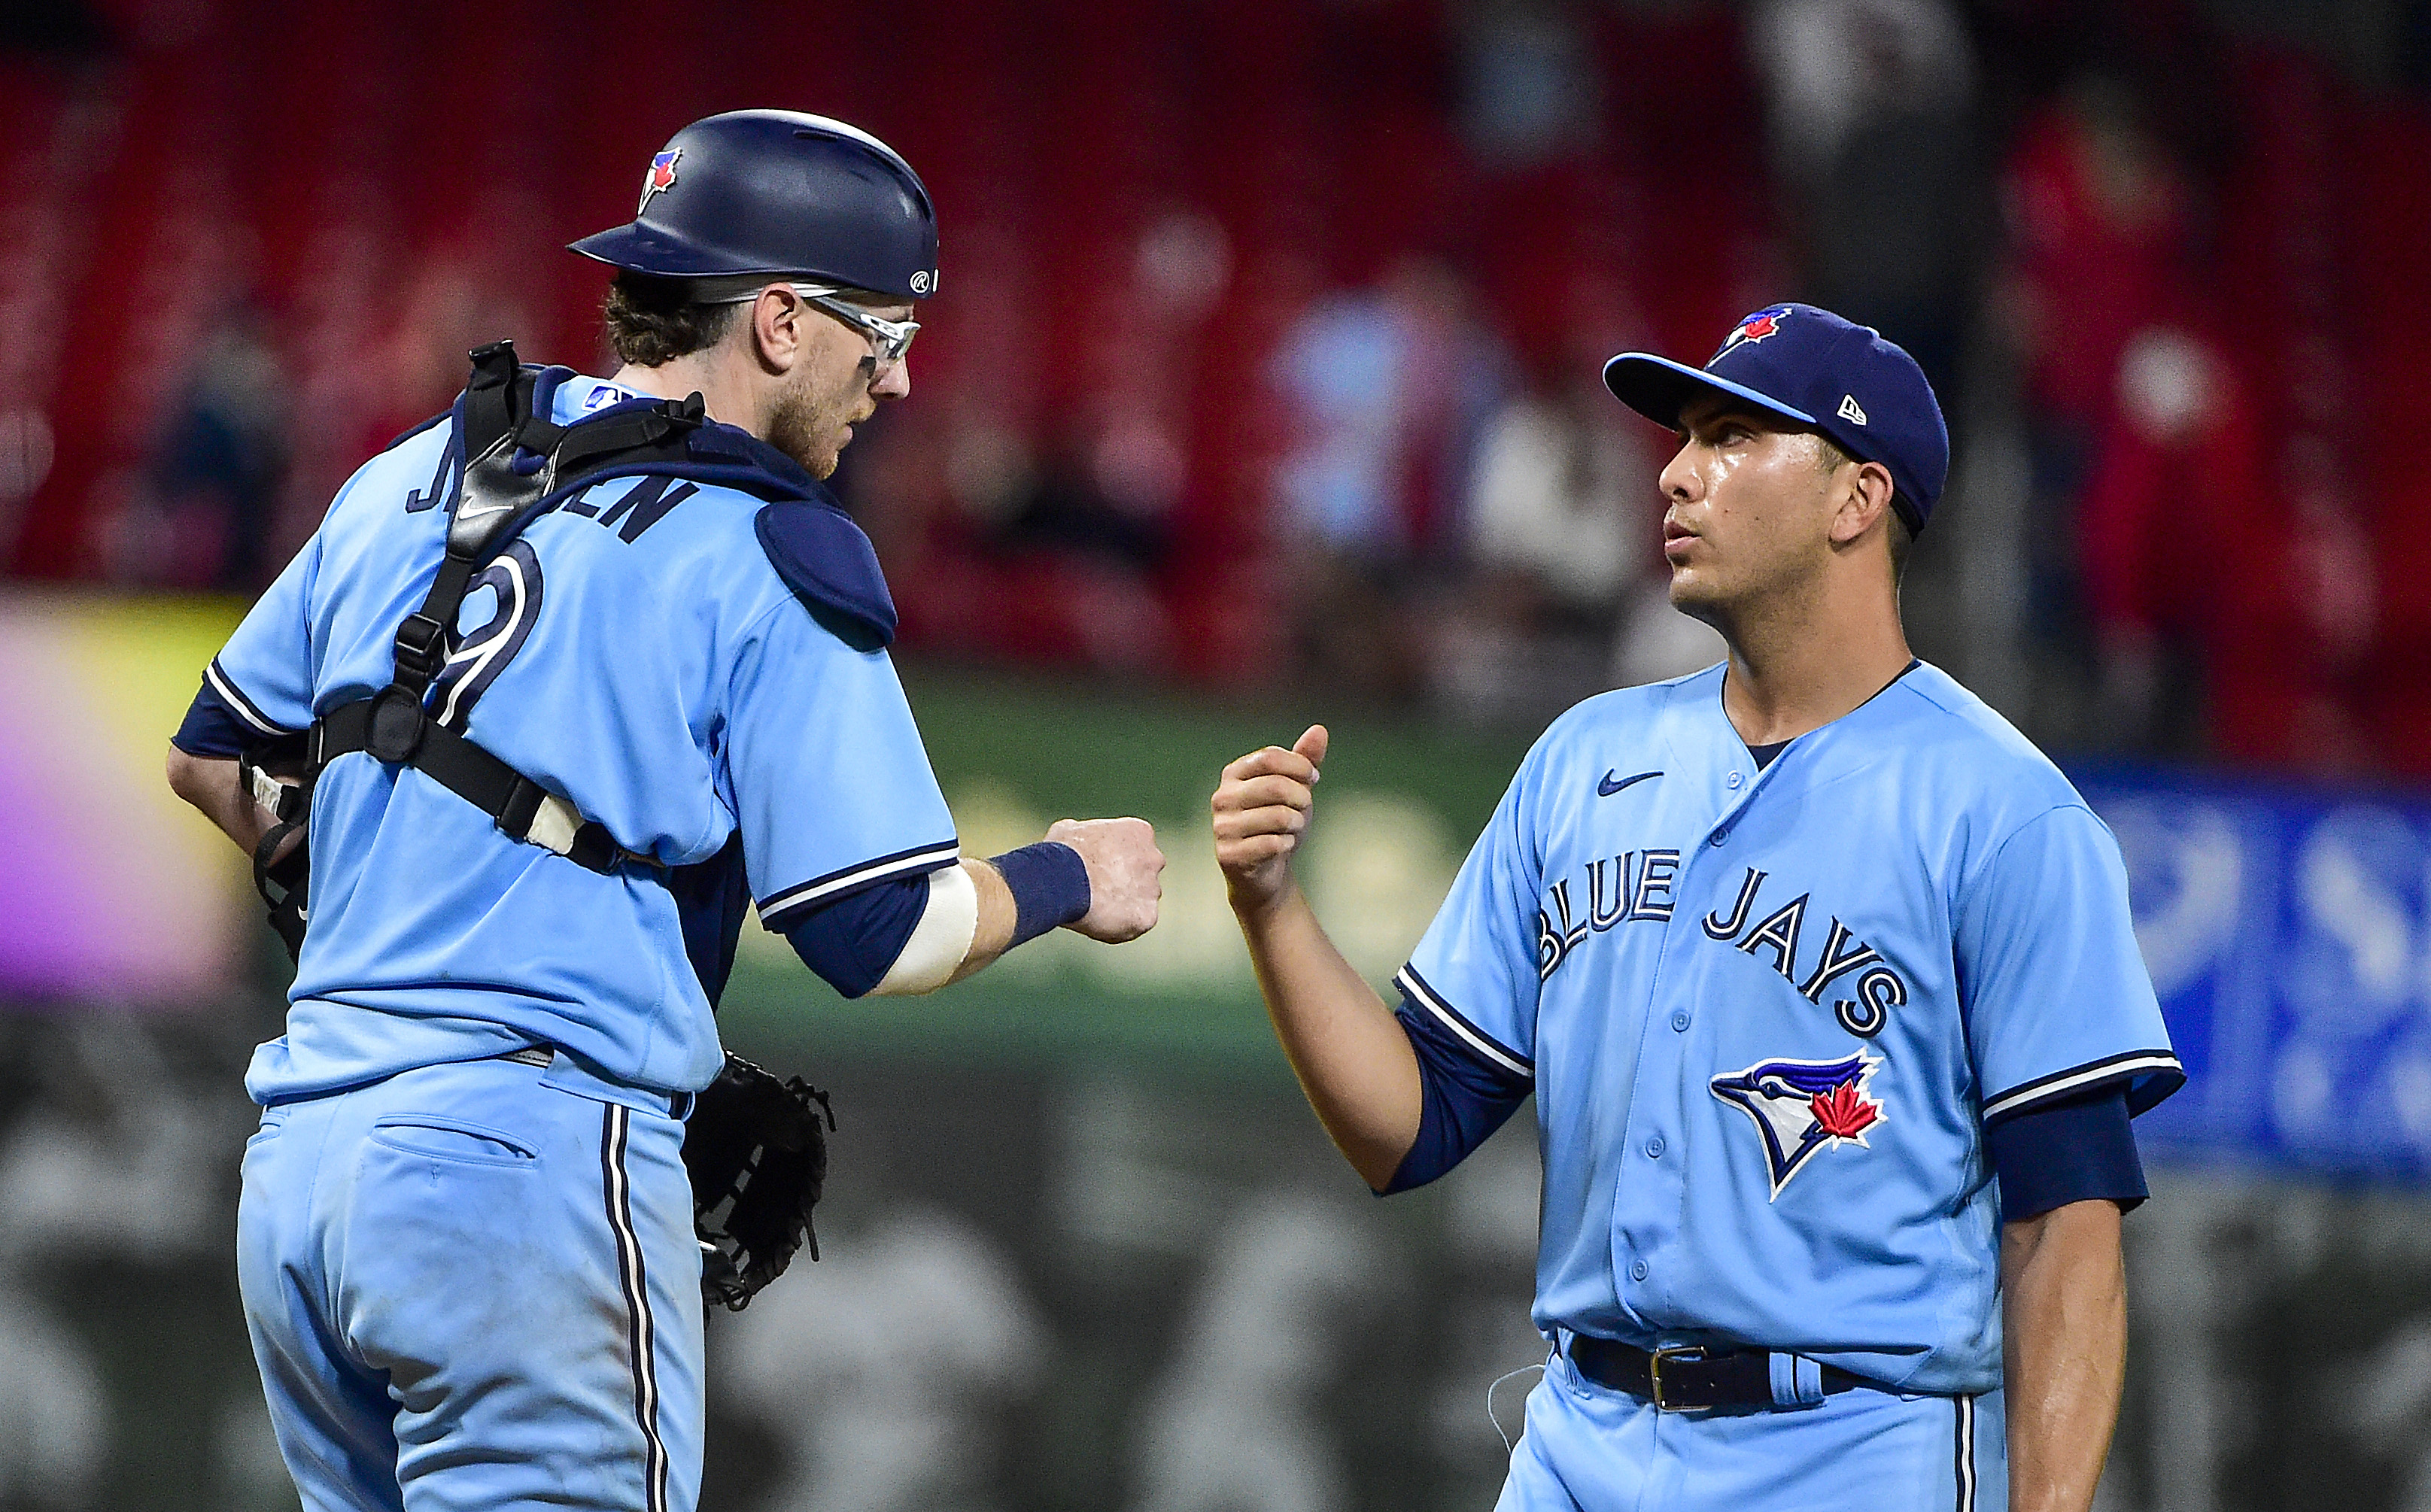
column 1802, row 668
column 727, row 399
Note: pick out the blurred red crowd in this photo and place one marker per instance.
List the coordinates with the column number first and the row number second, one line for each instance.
column 1264, row 326
column 2224, row 371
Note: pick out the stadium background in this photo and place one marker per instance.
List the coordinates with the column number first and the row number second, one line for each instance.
column 1261, row 388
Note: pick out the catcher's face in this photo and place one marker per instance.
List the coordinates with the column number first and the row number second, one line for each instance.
column 1749, row 512
column 836, row 382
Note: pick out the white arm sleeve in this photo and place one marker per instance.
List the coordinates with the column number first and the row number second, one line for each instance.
column 940, row 938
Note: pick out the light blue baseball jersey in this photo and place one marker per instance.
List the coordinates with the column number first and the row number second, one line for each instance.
column 1768, row 1013
column 634, row 650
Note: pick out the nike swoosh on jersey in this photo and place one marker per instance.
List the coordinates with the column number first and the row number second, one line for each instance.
column 1607, row 787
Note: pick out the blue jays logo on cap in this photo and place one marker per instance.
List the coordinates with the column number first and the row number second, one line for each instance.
column 1801, row 1106
column 661, row 178
column 1815, row 371
column 1755, row 327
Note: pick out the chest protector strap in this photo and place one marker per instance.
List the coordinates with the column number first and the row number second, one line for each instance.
column 515, row 462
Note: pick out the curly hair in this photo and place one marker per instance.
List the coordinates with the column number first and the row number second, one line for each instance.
column 653, row 320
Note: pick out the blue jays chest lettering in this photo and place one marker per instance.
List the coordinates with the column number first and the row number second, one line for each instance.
column 1797, row 1107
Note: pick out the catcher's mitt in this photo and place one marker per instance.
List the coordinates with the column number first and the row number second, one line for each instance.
column 757, row 1151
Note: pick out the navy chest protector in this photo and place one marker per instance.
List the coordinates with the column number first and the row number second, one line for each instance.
column 515, row 465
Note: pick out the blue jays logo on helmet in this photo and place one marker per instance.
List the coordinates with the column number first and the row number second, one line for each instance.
column 1755, row 327
column 1801, row 1106
column 661, row 178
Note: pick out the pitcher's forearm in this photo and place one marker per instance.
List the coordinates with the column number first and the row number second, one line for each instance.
column 1354, row 1061
column 2064, row 1296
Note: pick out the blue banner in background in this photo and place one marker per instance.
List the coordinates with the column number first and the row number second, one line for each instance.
column 2289, row 934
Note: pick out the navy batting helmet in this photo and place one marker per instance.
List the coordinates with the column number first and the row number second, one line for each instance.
column 782, row 193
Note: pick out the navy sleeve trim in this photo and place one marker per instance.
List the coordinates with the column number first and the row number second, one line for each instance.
column 1485, row 1045
column 1462, row 1100
column 2080, row 1148
column 2149, row 1075
column 918, row 861
column 852, row 941
column 245, row 706
column 213, row 726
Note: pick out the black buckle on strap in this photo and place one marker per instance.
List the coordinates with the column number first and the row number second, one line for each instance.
column 523, row 802
column 421, row 648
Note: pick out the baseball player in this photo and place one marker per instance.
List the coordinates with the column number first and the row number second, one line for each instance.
column 1824, row 982
column 652, row 691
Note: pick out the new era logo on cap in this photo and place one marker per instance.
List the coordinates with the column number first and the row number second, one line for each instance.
column 1804, row 365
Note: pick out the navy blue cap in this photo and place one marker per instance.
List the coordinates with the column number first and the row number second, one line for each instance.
column 782, row 193
column 1817, row 371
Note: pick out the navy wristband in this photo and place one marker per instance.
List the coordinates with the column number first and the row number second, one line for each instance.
column 1049, row 884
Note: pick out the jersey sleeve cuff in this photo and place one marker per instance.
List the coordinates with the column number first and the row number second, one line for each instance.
column 2079, row 1149
column 776, row 908
column 216, row 678
column 221, row 721
column 1484, row 1046
column 2147, row 1077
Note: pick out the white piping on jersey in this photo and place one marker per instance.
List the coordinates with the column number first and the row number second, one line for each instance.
column 925, row 861
column 941, row 938
column 2083, row 1075
column 236, row 701
column 1407, row 981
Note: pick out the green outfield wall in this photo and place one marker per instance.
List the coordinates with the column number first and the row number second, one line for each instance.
column 1397, row 810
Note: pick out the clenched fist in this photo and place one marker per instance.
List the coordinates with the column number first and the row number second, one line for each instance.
column 1261, row 808
column 1123, row 864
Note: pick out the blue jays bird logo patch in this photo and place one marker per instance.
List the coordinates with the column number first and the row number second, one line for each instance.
column 1801, row 1106
column 661, row 178
column 1755, row 327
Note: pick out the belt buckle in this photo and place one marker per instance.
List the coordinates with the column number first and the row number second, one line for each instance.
column 1691, row 1353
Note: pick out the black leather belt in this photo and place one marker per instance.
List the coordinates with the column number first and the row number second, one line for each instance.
column 1688, row 1379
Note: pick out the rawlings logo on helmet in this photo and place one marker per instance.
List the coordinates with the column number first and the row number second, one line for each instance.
column 661, row 178
column 1755, row 327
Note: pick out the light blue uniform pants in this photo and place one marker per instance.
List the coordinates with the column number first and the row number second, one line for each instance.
column 1587, row 1449
column 473, row 1287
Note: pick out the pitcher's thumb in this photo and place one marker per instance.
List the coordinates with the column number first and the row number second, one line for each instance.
column 1312, row 745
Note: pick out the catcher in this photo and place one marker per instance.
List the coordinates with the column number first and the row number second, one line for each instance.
column 566, row 680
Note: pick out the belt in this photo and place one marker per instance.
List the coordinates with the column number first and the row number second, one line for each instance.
column 678, row 1104
column 1686, row 1378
